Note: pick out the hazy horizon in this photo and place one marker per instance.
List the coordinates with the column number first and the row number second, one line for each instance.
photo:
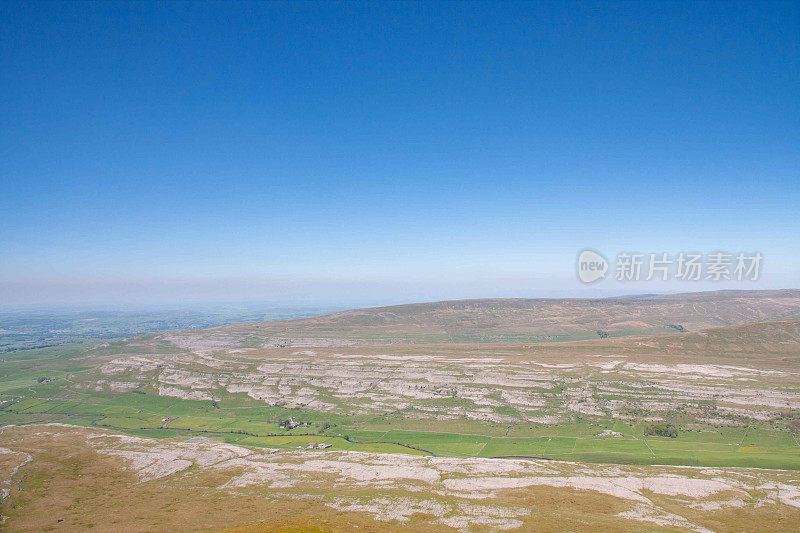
column 375, row 153
column 311, row 300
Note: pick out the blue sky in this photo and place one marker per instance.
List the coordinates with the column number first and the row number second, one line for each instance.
column 382, row 152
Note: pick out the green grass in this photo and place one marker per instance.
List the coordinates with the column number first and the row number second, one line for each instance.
column 573, row 429
column 131, row 422
column 236, row 421
column 498, row 447
column 556, row 445
column 610, row 445
column 239, row 418
column 358, row 435
column 439, row 443
column 144, row 415
column 770, row 438
column 676, row 445
column 301, row 442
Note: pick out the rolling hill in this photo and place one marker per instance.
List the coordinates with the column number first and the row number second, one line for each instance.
column 507, row 320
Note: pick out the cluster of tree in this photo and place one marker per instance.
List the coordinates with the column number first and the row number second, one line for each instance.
column 662, row 430
column 602, row 334
column 677, row 327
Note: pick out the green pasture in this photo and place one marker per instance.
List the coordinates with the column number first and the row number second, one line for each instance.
column 240, row 419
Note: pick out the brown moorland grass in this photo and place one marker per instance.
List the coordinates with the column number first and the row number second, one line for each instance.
column 70, row 481
column 507, row 320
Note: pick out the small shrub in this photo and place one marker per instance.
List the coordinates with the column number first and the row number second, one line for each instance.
column 662, row 430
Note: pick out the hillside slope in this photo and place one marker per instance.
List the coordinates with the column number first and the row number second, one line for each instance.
column 506, row 320
column 759, row 340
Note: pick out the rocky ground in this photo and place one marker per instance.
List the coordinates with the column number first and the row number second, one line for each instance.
column 396, row 490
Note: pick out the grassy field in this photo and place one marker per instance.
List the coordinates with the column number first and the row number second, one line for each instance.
column 470, row 400
column 729, row 396
column 80, row 479
column 259, row 426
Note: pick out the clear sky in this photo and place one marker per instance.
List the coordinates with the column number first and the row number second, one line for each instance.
column 384, row 152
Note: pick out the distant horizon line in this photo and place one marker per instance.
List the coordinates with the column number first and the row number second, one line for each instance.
column 332, row 306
